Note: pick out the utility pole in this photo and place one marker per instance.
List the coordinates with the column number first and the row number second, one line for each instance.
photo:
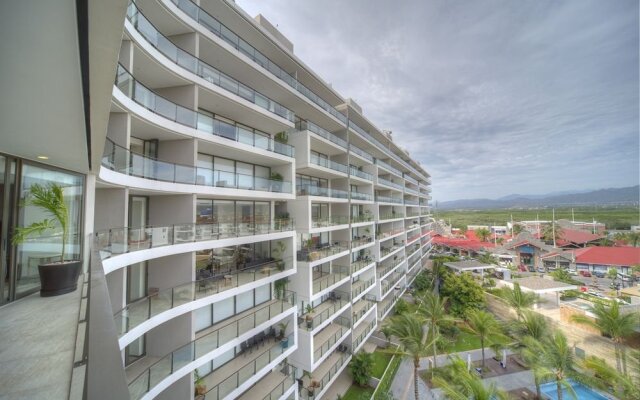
column 573, row 217
column 512, row 225
column 553, row 226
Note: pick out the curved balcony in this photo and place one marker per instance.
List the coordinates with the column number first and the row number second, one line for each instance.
column 200, row 347
column 226, row 379
column 214, row 26
column 165, row 108
column 276, row 384
column 198, row 67
column 146, row 308
column 310, row 190
column 121, row 160
column 116, row 241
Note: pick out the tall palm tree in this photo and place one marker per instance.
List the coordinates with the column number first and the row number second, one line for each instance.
column 608, row 378
column 517, row 299
column 484, row 325
column 610, row 322
column 551, row 232
column 460, row 384
column 433, row 308
column 517, row 229
column 415, row 342
column 553, row 359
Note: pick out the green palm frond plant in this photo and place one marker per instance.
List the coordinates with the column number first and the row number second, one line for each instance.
column 50, row 199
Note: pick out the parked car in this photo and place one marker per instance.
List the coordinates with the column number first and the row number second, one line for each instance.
column 573, row 272
column 586, row 274
column 541, row 270
column 599, row 274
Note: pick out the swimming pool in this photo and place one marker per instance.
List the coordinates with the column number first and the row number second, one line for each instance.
column 582, row 392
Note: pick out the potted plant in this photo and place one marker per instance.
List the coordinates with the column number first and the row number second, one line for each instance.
column 201, row 388
column 313, row 385
column 281, row 137
column 278, row 287
column 284, row 339
column 309, row 316
column 279, row 251
column 58, row 277
column 276, row 182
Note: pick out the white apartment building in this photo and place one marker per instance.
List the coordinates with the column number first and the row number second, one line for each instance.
column 244, row 228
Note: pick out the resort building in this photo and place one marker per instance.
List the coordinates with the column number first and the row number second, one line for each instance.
column 243, row 227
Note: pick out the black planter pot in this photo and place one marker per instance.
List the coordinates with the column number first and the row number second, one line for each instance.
column 59, row 278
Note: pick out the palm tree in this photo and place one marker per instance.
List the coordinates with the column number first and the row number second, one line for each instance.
column 610, row 322
column 460, row 384
column 531, row 324
column 551, row 232
column 414, row 340
column 483, row 234
column 608, row 378
column 484, row 325
column 433, row 308
column 517, row 299
column 386, row 331
column 517, row 229
column 553, row 358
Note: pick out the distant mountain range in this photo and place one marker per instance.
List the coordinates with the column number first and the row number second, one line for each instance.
column 613, row 196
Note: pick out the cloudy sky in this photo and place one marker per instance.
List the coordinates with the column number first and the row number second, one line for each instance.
column 493, row 97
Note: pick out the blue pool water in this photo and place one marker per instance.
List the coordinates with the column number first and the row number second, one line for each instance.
column 582, row 392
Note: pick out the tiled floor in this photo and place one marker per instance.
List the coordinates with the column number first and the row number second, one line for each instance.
column 37, row 348
column 272, row 382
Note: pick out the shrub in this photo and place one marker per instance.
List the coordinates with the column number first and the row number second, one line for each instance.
column 401, row 306
column 361, row 366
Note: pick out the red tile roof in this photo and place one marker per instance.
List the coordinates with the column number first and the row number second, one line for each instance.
column 465, row 244
column 623, row 256
column 575, row 236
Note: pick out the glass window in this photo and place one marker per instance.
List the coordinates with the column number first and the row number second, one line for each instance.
column 224, row 174
column 245, row 175
column 223, row 213
column 204, row 172
column 244, row 301
column 263, row 293
column 262, row 212
column 203, row 318
column 48, row 246
column 223, row 310
column 204, row 211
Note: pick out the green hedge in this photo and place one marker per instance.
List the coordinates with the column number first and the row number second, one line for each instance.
column 385, row 382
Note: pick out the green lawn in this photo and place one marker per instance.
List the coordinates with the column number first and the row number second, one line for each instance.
column 464, row 342
column 380, row 362
column 356, row 392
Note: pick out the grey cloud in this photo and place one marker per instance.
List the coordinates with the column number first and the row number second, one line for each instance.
column 494, row 97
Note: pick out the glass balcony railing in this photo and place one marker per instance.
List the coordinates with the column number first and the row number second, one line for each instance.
column 389, row 183
column 387, row 199
column 322, row 348
column 337, row 274
column 361, row 218
column 148, row 307
column 324, row 311
column 310, row 190
column 410, row 202
column 384, row 270
column 357, row 150
column 326, row 163
column 360, row 241
column 388, row 167
column 411, row 191
column 361, row 196
column 362, row 306
column 217, row 28
column 388, row 284
column 115, row 241
column 360, row 174
column 245, row 372
column 360, row 262
column 330, row 221
column 319, row 252
column 287, row 379
column 157, row 104
column 411, row 250
column 195, row 349
column 391, row 216
column 360, row 286
column 337, row 360
column 386, row 305
column 410, row 179
column 389, row 233
column 196, row 66
column 413, row 238
column 121, row 160
column 302, row 125
column 386, row 250
column 412, row 214
column 362, row 334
